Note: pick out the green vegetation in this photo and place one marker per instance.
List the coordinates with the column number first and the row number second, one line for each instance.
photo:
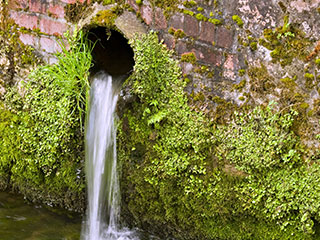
column 45, row 161
column 189, row 4
column 238, row 20
column 286, row 42
column 189, row 57
column 215, row 21
column 196, row 179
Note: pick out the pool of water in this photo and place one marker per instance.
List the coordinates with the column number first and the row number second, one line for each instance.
column 22, row 221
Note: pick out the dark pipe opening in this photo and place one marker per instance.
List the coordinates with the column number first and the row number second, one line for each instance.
column 111, row 53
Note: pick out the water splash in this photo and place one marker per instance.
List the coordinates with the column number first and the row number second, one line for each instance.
column 103, row 210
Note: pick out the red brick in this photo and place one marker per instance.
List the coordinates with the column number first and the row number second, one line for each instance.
column 37, row 6
column 207, row 32
column 49, row 45
column 24, row 20
column 160, row 19
column 52, row 26
column 17, row 4
column 224, row 37
column 176, row 21
column 191, row 26
column 28, row 39
column 69, row 1
column 146, row 14
column 56, row 10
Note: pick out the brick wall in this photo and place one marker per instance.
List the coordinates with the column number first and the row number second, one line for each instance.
column 42, row 23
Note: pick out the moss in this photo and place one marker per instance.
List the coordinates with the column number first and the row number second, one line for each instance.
column 261, row 80
column 139, row 2
column 188, row 12
column 189, row 57
column 304, row 105
column 253, row 46
column 309, row 76
column 164, row 4
column 171, row 30
column 213, row 43
column 238, row 20
column 240, row 85
column 200, row 9
column 286, row 43
column 283, row 7
column 317, row 62
column 179, row 33
column 201, row 17
column 242, row 72
column 215, row 21
column 189, row 4
column 76, row 11
column 108, row 2
column 288, row 82
column 105, row 18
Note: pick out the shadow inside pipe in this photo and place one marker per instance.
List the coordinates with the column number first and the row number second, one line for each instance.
column 111, row 52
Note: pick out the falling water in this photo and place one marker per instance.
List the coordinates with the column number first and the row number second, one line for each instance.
column 102, row 222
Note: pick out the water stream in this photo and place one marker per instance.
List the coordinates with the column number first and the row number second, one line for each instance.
column 102, row 221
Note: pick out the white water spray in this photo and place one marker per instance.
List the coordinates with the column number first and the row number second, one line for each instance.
column 103, row 211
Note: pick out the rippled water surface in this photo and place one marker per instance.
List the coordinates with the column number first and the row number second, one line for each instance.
column 22, row 221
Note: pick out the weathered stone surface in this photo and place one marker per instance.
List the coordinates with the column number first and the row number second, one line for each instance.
column 146, row 14
column 69, row 1
column 18, row 4
column 160, row 19
column 177, row 21
column 129, row 25
column 207, row 32
column 133, row 4
column 191, row 26
column 28, row 39
column 49, row 45
column 52, row 26
column 168, row 40
column 24, row 19
column 181, row 48
column 56, row 10
column 224, row 37
column 37, row 6
column 212, row 57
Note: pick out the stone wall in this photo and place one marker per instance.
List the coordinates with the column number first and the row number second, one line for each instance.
column 234, row 52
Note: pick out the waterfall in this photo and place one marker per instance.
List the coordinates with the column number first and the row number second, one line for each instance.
column 103, row 211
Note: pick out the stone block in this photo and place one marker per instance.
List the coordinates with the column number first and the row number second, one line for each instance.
column 52, row 26
column 224, row 37
column 212, row 57
column 56, row 10
column 133, row 4
column 207, row 32
column 176, row 21
column 146, row 14
column 231, row 62
column 191, row 26
column 24, row 20
column 181, row 48
column 169, row 41
column 160, row 19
